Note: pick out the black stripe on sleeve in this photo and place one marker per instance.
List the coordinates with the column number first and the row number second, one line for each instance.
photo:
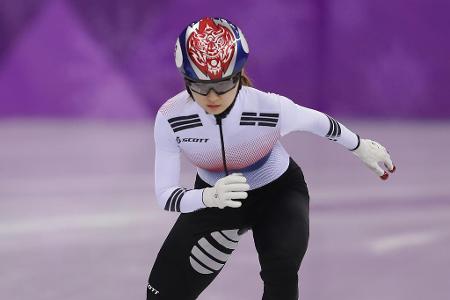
column 331, row 127
column 333, row 135
column 335, row 129
column 339, row 129
column 170, row 204
column 177, row 206
column 168, row 200
column 357, row 145
column 178, row 202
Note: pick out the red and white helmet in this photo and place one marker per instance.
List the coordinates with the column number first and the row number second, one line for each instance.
column 211, row 49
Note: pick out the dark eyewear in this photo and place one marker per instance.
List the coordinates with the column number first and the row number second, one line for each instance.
column 219, row 87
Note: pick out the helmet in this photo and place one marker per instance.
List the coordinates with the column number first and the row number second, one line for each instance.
column 211, row 49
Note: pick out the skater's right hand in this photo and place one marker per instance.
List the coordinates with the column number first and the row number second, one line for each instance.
column 372, row 153
column 225, row 190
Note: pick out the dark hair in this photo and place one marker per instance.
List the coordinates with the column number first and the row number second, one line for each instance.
column 245, row 80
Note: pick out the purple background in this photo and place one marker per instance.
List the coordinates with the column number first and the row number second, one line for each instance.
column 114, row 59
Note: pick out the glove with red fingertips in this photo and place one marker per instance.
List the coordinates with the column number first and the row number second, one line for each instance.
column 225, row 191
column 372, row 153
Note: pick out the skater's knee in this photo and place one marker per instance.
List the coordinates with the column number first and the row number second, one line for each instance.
column 281, row 271
column 280, row 275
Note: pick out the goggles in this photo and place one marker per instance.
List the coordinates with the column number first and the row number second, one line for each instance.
column 220, row 87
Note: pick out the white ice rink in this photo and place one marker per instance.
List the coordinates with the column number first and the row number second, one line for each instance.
column 78, row 219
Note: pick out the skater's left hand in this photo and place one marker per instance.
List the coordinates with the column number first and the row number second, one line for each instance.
column 372, row 153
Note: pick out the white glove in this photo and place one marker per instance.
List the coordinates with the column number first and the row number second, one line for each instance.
column 233, row 186
column 372, row 153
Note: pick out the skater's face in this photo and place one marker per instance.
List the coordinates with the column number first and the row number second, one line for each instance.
column 216, row 97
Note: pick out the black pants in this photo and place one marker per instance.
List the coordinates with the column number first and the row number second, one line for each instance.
column 200, row 242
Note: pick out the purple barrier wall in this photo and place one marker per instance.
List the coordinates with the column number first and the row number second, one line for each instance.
column 114, row 59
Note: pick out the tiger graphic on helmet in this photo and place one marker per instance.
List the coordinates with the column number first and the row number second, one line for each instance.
column 211, row 49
